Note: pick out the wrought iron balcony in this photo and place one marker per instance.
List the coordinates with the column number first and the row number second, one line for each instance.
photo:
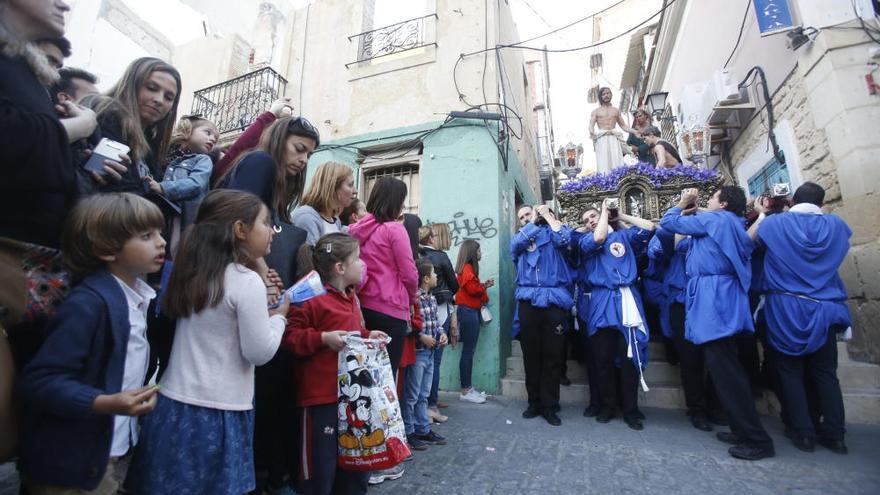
column 396, row 38
column 232, row 105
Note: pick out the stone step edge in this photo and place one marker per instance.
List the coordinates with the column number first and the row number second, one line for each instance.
column 872, row 392
column 862, row 406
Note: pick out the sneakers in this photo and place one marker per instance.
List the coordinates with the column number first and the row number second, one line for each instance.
column 473, row 396
column 415, row 442
column 436, row 416
column 432, row 438
column 394, row 473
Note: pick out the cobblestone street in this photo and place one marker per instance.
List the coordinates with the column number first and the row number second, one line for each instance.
column 485, row 454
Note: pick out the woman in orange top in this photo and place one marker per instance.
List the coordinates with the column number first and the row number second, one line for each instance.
column 469, row 298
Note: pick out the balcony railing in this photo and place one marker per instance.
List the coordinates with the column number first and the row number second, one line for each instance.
column 232, row 105
column 396, row 38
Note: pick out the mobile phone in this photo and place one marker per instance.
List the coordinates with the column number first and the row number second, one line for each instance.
column 107, row 149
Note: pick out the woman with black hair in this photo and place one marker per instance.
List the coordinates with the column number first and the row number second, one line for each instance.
column 391, row 285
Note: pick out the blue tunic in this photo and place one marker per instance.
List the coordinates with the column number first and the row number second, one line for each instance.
column 805, row 295
column 662, row 251
column 719, row 273
column 582, row 286
column 610, row 266
column 543, row 274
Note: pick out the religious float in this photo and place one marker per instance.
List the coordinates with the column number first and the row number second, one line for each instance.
column 642, row 190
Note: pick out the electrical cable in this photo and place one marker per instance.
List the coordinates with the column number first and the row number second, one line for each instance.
column 485, row 45
column 505, row 76
column 739, row 36
column 771, row 120
column 566, row 50
column 867, row 29
column 594, row 14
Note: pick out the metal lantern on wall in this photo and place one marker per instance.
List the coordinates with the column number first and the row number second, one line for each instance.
column 695, row 141
column 657, row 103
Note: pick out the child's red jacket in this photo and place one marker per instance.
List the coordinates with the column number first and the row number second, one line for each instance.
column 315, row 369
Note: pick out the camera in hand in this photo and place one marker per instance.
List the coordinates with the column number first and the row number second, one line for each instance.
column 781, row 190
column 540, row 220
column 613, row 208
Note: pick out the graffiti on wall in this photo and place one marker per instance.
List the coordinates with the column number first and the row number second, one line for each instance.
column 462, row 228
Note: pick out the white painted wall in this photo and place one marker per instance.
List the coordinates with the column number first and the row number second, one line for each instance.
column 705, row 39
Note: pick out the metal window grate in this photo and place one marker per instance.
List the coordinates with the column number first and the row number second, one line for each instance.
column 232, row 105
column 771, row 173
column 407, row 172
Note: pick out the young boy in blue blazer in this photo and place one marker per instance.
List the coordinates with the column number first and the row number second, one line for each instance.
column 85, row 388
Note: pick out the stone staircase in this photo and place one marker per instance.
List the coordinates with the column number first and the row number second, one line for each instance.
column 860, row 383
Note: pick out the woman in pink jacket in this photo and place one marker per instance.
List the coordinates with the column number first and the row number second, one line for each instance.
column 391, row 285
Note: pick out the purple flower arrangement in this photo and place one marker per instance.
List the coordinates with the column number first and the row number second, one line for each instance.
column 657, row 176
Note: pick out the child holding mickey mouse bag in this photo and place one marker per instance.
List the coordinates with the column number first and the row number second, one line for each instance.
column 316, row 331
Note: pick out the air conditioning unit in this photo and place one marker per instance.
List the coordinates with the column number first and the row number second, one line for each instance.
column 726, row 90
column 697, row 100
column 725, row 86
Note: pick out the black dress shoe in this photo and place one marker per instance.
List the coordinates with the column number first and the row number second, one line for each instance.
column 564, row 381
column 807, row 444
column 634, row 423
column 701, row 423
column 728, row 437
column 604, row 416
column 591, row 411
column 717, row 419
column 552, row 418
column 531, row 412
column 836, row 446
column 751, row 452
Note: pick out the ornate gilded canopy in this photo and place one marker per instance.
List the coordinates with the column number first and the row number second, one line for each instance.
column 642, row 190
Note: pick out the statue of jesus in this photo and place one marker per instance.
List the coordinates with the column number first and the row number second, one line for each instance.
column 607, row 141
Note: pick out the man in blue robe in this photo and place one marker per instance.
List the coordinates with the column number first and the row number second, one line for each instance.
column 617, row 325
column 544, row 289
column 717, row 307
column 589, row 221
column 805, row 307
column 671, row 247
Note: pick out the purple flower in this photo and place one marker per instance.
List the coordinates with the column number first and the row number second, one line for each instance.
column 657, row 177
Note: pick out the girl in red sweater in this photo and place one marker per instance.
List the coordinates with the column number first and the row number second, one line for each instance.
column 470, row 297
column 315, row 331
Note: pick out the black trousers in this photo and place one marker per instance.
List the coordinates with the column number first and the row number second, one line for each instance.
column 608, row 345
column 318, row 472
column 395, row 328
column 734, row 392
column 820, row 368
column 275, row 454
column 693, row 375
column 542, row 337
column 590, row 361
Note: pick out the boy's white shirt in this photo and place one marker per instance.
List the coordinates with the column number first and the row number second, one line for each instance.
column 137, row 355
